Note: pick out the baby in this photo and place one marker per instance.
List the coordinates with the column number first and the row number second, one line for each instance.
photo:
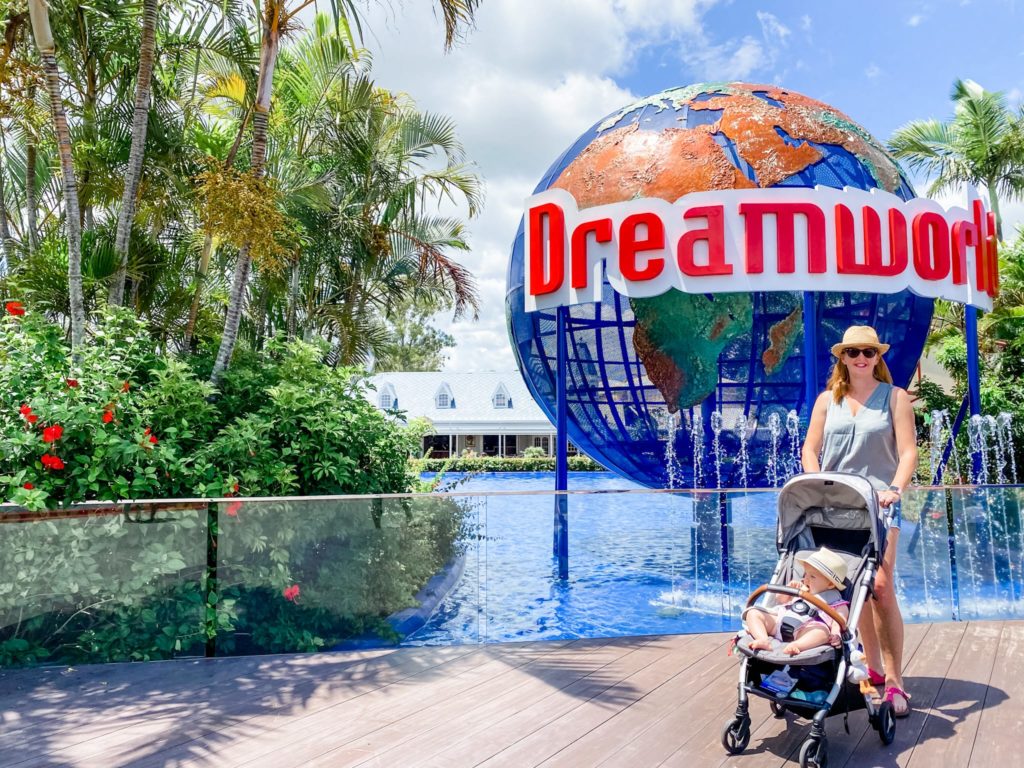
column 796, row 621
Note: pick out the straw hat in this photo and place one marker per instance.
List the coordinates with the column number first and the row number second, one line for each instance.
column 859, row 336
column 829, row 564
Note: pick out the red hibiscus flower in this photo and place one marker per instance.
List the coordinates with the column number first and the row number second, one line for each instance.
column 108, row 416
column 52, row 462
column 126, row 386
column 25, row 410
column 15, row 308
column 233, row 508
column 153, row 440
column 291, row 593
column 72, row 383
column 28, row 486
column 234, row 488
column 50, row 434
column 147, row 430
column 32, row 418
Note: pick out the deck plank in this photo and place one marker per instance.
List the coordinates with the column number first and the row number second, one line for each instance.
column 951, row 725
column 615, row 703
column 999, row 719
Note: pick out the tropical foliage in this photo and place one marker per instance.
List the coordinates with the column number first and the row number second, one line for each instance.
column 226, row 173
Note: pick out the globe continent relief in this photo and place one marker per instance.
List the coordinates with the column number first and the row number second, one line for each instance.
column 646, row 377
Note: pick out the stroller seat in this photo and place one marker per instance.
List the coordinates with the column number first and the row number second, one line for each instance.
column 819, row 654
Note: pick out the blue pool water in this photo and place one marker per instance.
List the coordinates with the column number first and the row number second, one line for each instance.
column 645, row 563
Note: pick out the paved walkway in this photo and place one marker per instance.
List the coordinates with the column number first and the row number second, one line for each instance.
column 650, row 701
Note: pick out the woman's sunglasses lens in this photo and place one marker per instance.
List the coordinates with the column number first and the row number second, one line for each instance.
column 853, row 353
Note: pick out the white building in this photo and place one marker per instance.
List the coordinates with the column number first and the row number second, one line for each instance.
column 490, row 414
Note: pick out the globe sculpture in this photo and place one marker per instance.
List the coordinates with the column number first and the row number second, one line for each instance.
column 684, row 390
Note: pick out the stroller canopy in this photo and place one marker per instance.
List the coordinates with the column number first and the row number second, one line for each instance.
column 835, row 500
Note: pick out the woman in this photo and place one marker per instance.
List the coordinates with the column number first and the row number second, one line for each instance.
column 865, row 425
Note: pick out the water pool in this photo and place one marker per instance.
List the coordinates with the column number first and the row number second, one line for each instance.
column 649, row 564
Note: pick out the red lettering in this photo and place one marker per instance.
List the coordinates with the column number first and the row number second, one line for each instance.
column 785, row 214
column 931, row 246
column 630, row 245
column 713, row 234
column 964, row 236
column 981, row 246
column 898, row 258
column 539, row 284
column 602, row 231
column 992, row 251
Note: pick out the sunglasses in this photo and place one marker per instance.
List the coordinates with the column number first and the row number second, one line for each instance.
column 853, row 353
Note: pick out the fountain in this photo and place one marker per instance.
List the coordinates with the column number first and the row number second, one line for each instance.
column 775, row 431
column 793, row 430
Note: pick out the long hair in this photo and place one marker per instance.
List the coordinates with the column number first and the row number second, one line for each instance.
column 839, row 382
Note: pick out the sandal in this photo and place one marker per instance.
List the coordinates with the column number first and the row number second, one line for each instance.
column 890, row 693
column 876, row 678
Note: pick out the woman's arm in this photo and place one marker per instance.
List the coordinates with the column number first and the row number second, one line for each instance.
column 815, row 434
column 906, row 439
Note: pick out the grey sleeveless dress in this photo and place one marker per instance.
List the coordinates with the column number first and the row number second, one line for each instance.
column 864, row 444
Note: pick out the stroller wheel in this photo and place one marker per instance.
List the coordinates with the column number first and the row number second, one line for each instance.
column 736, row 735
column 886, row 723
column 779, row 710
column 814, row 753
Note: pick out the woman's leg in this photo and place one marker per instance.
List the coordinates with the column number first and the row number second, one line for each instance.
column 888, row 622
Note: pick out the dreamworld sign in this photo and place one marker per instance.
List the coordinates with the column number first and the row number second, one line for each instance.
column 747, row 240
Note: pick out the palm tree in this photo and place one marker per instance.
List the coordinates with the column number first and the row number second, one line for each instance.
column 6, row 244
column 140, row 122
column 274, row 19
column 982, row 144
column 39, row 13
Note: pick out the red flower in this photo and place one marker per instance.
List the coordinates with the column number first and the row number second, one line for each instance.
column 50, row 434
column 28, row 486
column 52, row 462
column 126, row 386
column 291, row 593
column 25, row 410
column 234, row 488
column 147, row 430
column 15, row 308
column 32, row 418
column 153, row 440
column 72, row 383
column 233, row 508
column 108, row 416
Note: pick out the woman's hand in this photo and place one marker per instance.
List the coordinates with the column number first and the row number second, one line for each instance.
column 887, row 498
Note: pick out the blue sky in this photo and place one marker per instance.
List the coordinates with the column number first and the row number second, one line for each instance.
column 535, row 74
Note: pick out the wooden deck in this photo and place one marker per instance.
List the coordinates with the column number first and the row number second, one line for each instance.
column 651, row 701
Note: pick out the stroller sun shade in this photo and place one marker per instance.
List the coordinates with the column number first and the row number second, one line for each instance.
column 828, row 500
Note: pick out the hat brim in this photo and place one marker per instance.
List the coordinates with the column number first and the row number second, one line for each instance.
column 837, row 349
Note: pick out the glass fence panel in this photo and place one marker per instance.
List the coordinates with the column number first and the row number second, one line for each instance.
column 988, row 545
column 98, row 584
column 924, row 580
column 304, row 575
column 752, row 553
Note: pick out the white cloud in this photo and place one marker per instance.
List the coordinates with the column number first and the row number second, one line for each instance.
column 524, row 84
column 873, row 70
column 806, row 23
column 915, row 20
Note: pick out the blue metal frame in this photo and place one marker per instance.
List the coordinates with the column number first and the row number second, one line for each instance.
column 561, row 543
column 810, row 352
column 973, row 375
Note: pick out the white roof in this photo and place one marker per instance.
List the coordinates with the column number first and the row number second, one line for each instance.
column 473, row 393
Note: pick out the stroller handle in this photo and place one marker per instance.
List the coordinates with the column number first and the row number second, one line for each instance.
column 814, row 600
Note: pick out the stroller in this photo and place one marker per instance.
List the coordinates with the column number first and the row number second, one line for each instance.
column 839, row 511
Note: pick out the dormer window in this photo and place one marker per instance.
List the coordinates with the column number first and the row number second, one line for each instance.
column 444, row 397
column 386, row 398
column 500, row 398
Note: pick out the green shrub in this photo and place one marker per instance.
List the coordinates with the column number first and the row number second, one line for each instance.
column 498, row 464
